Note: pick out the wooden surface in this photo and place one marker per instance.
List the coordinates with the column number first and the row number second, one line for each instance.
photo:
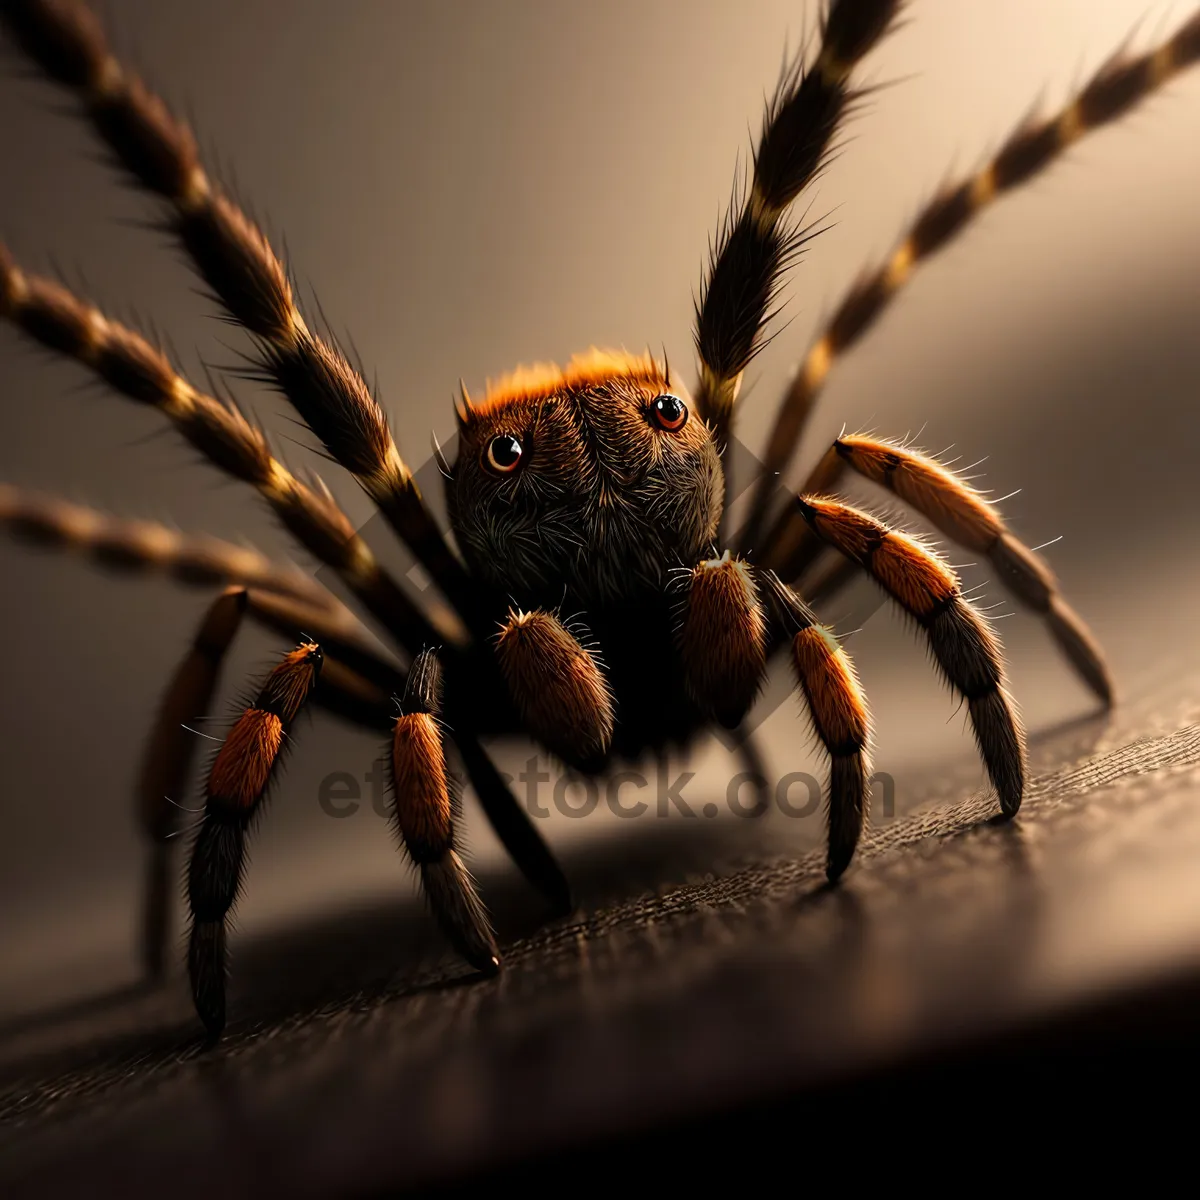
column 685, row 987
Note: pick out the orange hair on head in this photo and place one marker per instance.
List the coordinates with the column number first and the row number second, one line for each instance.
column 594, row 366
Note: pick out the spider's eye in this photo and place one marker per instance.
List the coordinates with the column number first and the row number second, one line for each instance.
column 669, row 412
column 503, row 453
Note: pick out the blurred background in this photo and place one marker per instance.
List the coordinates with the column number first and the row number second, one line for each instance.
column 468, row 186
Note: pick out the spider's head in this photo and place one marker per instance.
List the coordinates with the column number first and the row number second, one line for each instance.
column 598, row 476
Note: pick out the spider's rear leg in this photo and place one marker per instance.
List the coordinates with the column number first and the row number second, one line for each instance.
column 965, row 648
column 557, row 685
column 960, row 512
column 237, row 781
column 424, row 810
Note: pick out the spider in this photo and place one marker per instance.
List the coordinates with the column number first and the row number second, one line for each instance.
column 595, row 489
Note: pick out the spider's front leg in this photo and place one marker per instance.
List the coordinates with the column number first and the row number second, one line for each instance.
column 353, row 683
column 237, row 781
column 723, row 640
column 424, row 811
column 956, row 509
column 966, row 649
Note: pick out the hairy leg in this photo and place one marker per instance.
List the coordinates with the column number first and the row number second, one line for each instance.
column 424, row 810
column 757, row 244
column 148, row 547
column 355, row 684
column 838, row 711
column 233, row 256
column 957, row 510
column 237, row 782
column 135, row 368
column 731, row 616
column 1115, row 89
column 965, row 648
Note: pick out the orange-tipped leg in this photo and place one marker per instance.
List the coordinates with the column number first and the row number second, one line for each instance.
column 840, row 719
column 424, row 812
column 355, row 685
column 238, row 779
column 956, row 509
column 964, row 646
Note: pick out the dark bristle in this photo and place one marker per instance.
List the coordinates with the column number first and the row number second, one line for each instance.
column 207, row 969
column 333, row 400
column 848, row 803
column 1112, row 92
column 853, row 27
column 65, row 40
column 133, row 366
column 144, row 137
column 738, row 294
column 1028, row 151
column 215, row 868
column 423, row 693
column 1002, row 746
column 755, row 248
column 233, row 258
column 790, row 611
column 228, row 440
column 796, row 137
column 943, row 217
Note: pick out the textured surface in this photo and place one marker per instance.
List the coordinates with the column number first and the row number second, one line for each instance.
column 731, row 986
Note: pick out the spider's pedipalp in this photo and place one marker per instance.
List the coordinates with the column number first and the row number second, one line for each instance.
column 1034, row 146
column 756, row 246
column 424, row 811
column 134, row 367
column 722, row 638
column 958, row 510
column 962, row 643
column 838, row 710
column 237, row 782
column 557, row 685
column 237, row 262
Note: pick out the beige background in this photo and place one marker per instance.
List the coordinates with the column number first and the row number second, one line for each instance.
column 470, row 185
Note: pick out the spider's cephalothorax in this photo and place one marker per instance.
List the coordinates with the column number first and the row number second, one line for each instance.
column 597, row 479
column 590, row 608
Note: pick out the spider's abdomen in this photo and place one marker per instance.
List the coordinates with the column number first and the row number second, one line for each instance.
column 592, row 481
